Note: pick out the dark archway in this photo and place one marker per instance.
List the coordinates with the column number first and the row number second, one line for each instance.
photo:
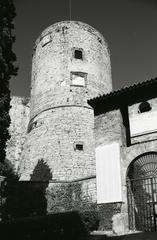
column 142, row 192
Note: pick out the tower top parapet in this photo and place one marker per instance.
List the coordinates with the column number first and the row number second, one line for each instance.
column 58, row 27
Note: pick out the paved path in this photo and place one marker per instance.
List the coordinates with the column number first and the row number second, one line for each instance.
column 135, row 236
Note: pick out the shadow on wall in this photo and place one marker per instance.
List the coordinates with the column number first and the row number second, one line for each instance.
column 27, row 198
column 41, row 172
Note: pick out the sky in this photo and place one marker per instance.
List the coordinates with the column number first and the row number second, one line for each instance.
column 129, row 27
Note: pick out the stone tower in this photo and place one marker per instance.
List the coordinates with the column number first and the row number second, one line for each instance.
column 71, row 64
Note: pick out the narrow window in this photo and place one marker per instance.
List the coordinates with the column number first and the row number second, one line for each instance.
column 78, row 54
column 46, row 39
column 33, row 125
column 63, row 83
column 78, row 78
column 144, row 107
column 78, row 146
column 30, row 127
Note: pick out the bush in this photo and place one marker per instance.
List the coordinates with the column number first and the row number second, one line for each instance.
column 90, row 220
column 59, row 226
column 69, row 198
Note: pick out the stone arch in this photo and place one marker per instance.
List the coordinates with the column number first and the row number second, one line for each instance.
column 142, row 192
column 144, row 165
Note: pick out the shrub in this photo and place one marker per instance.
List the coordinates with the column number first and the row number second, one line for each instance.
column 90, row 220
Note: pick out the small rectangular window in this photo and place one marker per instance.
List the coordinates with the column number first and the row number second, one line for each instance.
column 78, row 146
column 78, row 78
column 78, row 54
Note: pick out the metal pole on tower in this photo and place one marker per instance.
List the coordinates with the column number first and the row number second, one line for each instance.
column 70, row 9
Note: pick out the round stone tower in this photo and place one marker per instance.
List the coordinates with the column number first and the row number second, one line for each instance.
column 71, row 64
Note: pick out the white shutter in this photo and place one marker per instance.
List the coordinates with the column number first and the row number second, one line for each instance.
column 78, row 80
column 108, row 173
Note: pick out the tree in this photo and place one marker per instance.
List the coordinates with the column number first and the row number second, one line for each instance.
column 7, row 70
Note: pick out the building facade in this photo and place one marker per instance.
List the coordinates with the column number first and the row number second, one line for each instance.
column 100, row 144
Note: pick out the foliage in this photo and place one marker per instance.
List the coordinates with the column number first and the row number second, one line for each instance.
column 90, row 218
column 23, row 199
column 29, row 199
column 7, row 170
column 68, row 197
column 59, row 226
column 26, row 198
column 7, row 70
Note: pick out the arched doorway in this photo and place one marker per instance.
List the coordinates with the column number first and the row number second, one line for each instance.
column 142, row 192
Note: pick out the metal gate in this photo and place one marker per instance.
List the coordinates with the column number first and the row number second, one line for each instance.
column 142, row 193
column 142, row 204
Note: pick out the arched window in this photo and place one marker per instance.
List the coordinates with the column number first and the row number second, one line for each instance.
column 144, row 107
column 143, row 166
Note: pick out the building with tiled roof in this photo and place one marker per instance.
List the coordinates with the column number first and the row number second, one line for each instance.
column 95, row 148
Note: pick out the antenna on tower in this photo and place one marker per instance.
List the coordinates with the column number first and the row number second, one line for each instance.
column 70, row 9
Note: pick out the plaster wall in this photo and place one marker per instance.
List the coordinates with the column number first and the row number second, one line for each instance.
column 143, row 126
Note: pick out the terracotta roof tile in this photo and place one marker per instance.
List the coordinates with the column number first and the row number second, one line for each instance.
column 128, row 95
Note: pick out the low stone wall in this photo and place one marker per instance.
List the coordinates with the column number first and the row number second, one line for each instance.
column 66, row 196
column 107, row 212
column 27, row 199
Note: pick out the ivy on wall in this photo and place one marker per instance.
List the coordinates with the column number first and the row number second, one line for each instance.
column 68, row 197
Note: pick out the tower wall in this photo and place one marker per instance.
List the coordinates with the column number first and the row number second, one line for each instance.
column 53, row 139
column 54, row 62
column 60, row 130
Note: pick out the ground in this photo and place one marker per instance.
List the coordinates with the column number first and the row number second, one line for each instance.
column 134, row 236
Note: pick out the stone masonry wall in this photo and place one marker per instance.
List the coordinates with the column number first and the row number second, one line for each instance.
column 19, row 114
column 81, row 196
column 139, row 145
column 60, row 117
column 109, row 128
column 54, row 62
column 60, row 138
column 67, row 196
column 53, row 139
